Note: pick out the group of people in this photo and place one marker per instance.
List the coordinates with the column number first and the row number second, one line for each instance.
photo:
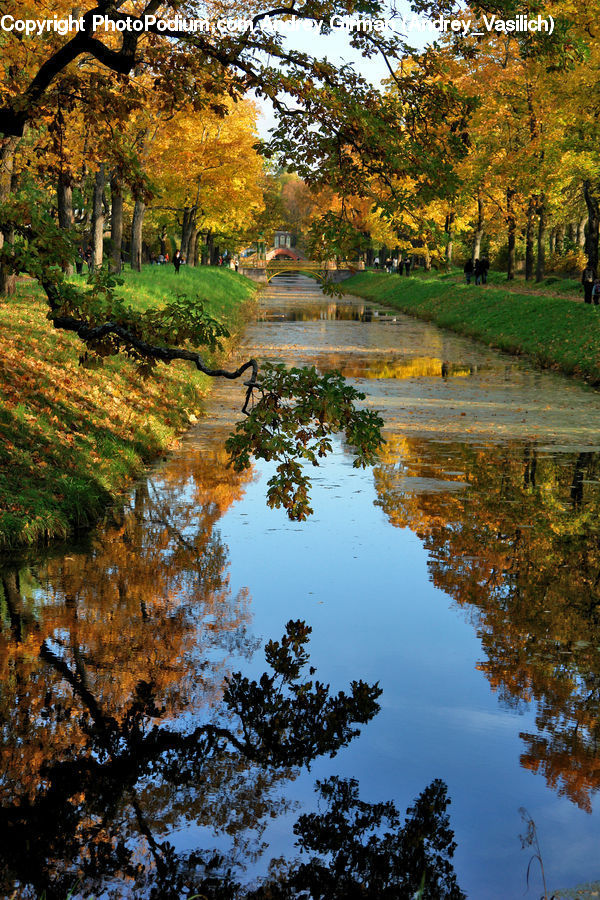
column 83, row 256
column 390, row 265
column 591, row 286
column 477, row 268
column 163, row 259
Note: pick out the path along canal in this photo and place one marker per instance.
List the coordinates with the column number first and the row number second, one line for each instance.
column 462, row 573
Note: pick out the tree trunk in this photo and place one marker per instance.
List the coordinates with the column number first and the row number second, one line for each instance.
column 188, row 227
column 570, row 232
column 512, row 230
column 7, row 161
column 540, row 269
column 559, row 244
column 210, row 243
column 590, row 192
column 427, row 259
column 552, row 240
column 450, row 233
column 64, row 201
column 192, row 245
column 580, row 236
column 98, row 219
column 202, row 259
column 529, row 240
column 479, row 227
column 163, row 240
column 191, row 241
column 136, row 235
column 116, row 222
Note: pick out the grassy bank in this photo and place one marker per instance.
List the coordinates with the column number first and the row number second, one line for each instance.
column 73, row 438
column 551, row 331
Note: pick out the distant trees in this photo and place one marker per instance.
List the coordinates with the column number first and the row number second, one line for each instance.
column 526, row 184
column 479, row 145
column 148, row 123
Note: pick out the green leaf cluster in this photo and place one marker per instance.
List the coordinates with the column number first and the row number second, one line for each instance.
column 293, row 422
column 287, row 721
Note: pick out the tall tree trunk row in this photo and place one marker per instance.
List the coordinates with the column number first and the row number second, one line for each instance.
column 479, row 227
column 531, row 206
column 591, row 193
column 116, row 222
column 512, row 232
column 540, row 270
column 98, row 218
column 450, row 232
column 580, row 235
column 8, row 148
column 64, row 202
column 137, row 224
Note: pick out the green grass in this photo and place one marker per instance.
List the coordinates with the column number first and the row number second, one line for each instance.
column 74, row 438
column 551, row 331
column 551, row 285
column 223, row 288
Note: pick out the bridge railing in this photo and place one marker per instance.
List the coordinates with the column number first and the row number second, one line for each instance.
column 296, row 265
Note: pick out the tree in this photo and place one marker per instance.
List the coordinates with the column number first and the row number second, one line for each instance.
column 226, row 68
column 119, row 702
column 532, row 593
column 354, row 859
column 205, row 167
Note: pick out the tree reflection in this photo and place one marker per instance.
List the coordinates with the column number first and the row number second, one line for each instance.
column 352, row 857
column 124, row 735
column 95, row 650
column 520, row 547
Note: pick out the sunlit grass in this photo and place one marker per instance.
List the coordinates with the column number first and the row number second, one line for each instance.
column 223, row 288
column 72, row 437
column 551, row 284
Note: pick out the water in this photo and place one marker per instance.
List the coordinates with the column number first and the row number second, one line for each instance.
column 462, row 573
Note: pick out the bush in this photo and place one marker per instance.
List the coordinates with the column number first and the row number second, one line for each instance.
column 573, row 262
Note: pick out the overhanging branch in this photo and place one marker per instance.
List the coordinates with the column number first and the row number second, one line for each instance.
column 94, row 333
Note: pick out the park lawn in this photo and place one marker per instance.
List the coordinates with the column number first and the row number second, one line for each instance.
column 551, row 331
column 550, row 285
column 151, row 287
column 73, row 438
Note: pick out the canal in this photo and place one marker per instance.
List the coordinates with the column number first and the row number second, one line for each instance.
column 462, row 573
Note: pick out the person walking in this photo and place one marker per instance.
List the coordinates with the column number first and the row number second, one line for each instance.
column 407, row 265
column 587, row 279
column 596, row 292
column 485, row 265
column 468, row 270
column 177, row 259
column 477, row 271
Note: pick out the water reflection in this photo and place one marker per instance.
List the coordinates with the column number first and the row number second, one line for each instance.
column 97, row 650
column 386, row 367
column 513, row 535
column 123, row 743
column 113, row 656
column 315, row 312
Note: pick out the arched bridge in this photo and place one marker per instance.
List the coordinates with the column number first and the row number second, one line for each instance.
column 331, row 270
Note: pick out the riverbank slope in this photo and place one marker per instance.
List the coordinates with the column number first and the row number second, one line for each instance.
column 73, row 438
column 553, row 332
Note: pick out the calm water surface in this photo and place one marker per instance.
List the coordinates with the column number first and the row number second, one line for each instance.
column 462, row 573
